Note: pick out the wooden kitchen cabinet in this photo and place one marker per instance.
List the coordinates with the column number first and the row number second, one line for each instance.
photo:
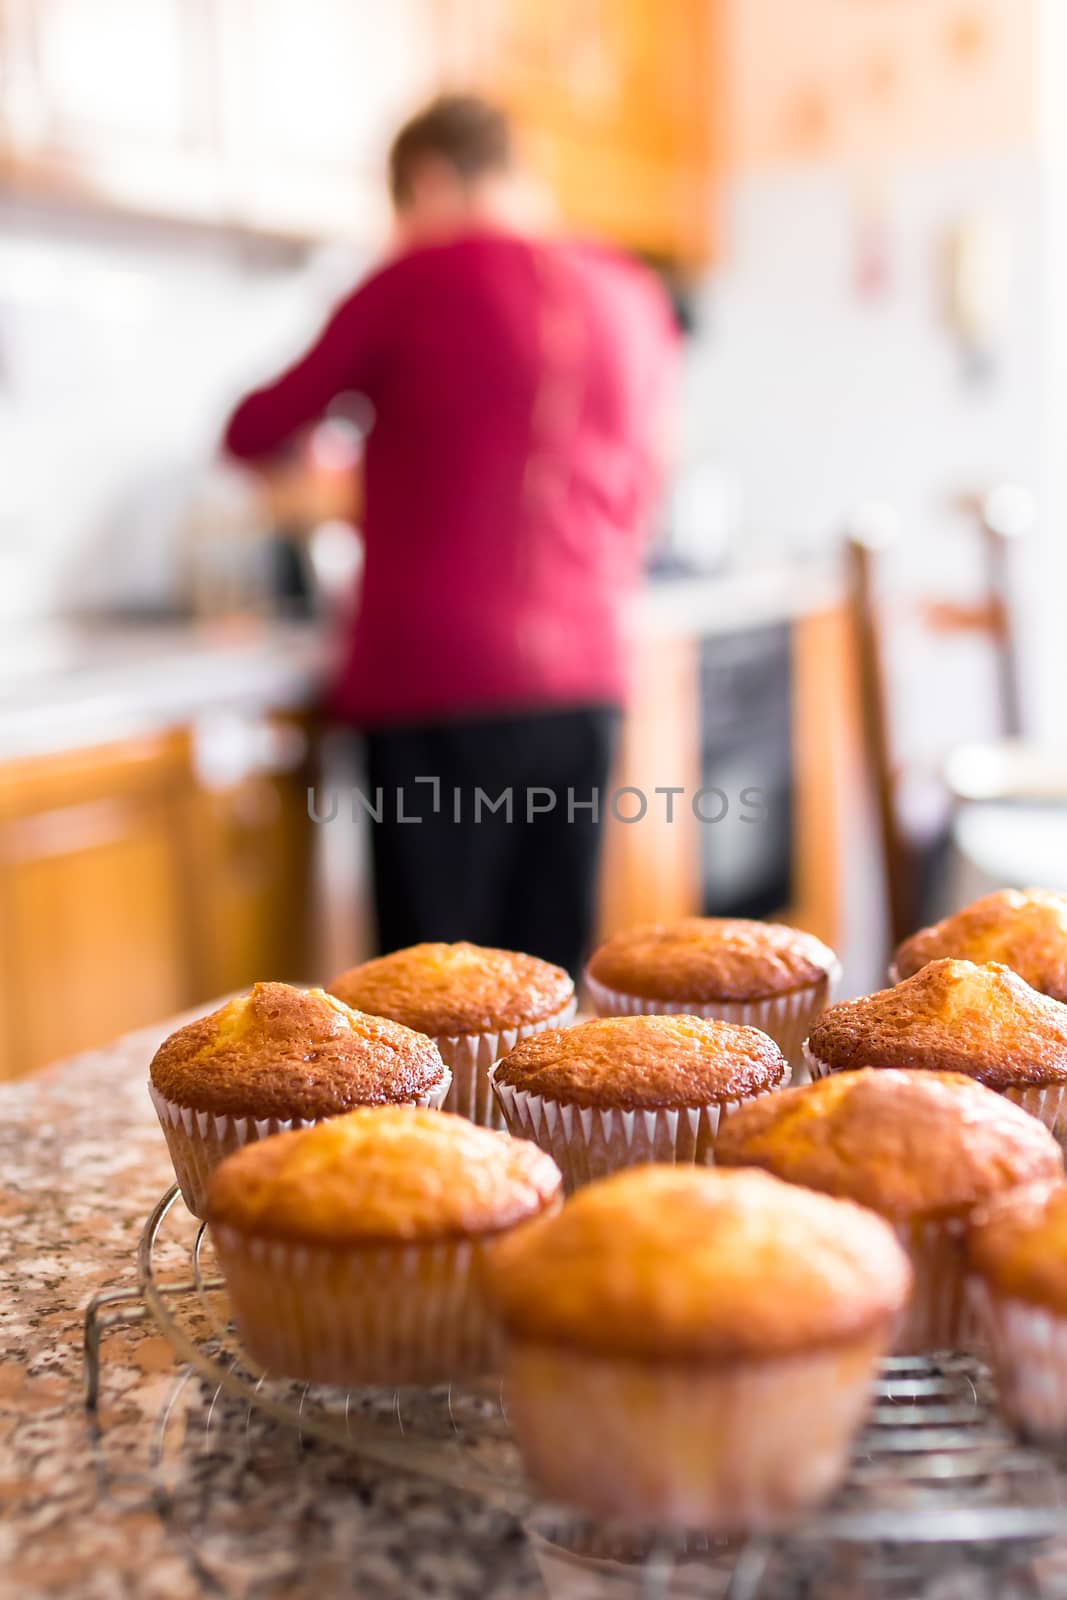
column 94, row 926
column 307, row 97
column 251, row 114
column 650, row 868
column 250, row 853
column 276, row 118
column 130, row 889
column 112, row 103
column 619, row 106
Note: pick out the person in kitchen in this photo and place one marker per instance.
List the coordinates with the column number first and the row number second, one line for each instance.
column 519, row 383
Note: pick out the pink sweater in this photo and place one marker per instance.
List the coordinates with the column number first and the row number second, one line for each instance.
column 518, row 386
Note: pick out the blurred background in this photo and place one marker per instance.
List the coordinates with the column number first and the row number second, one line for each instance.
column 859, row 208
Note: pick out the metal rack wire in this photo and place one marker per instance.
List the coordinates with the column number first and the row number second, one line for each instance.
column 935, row 1476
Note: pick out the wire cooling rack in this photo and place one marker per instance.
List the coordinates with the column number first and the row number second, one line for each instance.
column 935, row 1477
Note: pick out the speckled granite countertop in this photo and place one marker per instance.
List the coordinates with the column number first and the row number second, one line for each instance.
column 217, row 1503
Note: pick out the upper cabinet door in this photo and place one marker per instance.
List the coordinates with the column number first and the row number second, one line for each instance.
column 277, row 115
column 115, row 98
column 616, row 101
column 312, row 92
column 266, row 113
column 114, row 69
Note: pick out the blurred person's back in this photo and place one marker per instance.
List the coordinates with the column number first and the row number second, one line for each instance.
column 517, row 382
column 503, row 546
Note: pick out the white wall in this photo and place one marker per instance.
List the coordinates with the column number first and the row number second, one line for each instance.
column 120, row 353
column 1049, row 579
column 816, row 398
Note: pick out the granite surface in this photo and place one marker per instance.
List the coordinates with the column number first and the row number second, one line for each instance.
column 169, row 1492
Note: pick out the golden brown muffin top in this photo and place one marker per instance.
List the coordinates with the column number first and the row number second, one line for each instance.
column 700, row 959
column 688, row 1263
column 445, row 989
column 285, row 1052
column 1024, row 929
column 911, row 1145
column 645, row 1063
column 379, row 1175
column 1018, row 1244
column 952, row 1016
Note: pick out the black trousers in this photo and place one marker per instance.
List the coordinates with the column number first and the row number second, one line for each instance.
column 507, row 848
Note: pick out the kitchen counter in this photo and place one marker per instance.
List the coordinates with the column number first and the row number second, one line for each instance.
column 67, row 686
column 64, row 686
column 166, row 1496
column 739, row 598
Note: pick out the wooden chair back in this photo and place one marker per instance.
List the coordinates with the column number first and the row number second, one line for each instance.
column 999, row 518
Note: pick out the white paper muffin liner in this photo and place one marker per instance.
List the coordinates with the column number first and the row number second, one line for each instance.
column 813, row 1066
column 470, row 1056
column 938, row 1316
column 1027, row 1348
column 371, row 1314
column 1048, row 1105
column 199, row 1140
column 748, row 1445
column 584, row 1560
column 588, row 1142
column 785, row 1017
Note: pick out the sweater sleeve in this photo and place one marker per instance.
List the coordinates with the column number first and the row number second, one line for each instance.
column 340, row 359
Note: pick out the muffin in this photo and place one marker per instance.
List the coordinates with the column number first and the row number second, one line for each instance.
column 953, row 1016
column 923, row 1149
column 476, row 1004
column 694, row 1347
column 350, row 1250
column 761, row 974
column 1024, row 929
column 619, row 1091
column 275, row 1059
column 1017, row 1253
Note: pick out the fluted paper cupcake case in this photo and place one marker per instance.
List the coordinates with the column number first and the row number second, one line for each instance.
column 199, row 1140
column 1026, row 1346
column 568, row 1574
column 581, row 1558
column 370, row 1314
column 471, row 1055
column 785, row 1017
column 1047, row 1104
column 746, row 1445
column 938, row 1315
column 589, row 1142
column 812, row 1065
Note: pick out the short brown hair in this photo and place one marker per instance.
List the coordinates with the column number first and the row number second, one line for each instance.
column 470, row 133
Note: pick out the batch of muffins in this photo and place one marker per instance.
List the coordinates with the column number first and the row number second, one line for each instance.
column 685, row 1269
